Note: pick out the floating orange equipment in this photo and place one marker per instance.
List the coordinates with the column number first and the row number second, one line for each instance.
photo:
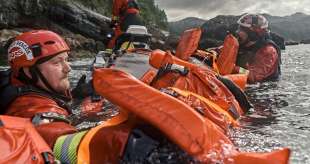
column 199, row 80
column 239, row 79
column 228, row 55
column 206, row 108
column 188, row 43
column 21, row 143
column 196, row 135
column 159, row 58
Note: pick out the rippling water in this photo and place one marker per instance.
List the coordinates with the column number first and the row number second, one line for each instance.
column 282, row 109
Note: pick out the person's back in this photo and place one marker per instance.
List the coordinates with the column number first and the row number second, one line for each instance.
column 257, row 52
column 124, row 14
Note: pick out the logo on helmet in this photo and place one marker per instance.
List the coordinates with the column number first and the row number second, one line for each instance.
column 19, row 48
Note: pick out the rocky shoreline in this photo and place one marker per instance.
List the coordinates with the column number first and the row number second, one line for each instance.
column 82, row 28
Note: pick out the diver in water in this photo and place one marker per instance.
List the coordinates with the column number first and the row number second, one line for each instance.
column 257, row 52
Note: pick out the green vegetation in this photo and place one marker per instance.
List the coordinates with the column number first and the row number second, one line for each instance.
column 151, row 13
column 103, row 7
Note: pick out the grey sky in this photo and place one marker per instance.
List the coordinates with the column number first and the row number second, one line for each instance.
column 206, row 9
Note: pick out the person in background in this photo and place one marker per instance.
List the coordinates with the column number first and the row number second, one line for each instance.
column 257, row 54
column 124, row 14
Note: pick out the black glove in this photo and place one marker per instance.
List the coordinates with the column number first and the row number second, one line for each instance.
column 113, row 24
column 82, row 88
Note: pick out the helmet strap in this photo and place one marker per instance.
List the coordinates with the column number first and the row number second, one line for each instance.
column 43, row 79
column 24, row 78
column 35, row 75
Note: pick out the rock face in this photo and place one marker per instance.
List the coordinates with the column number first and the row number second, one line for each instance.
column 68, row 15
column 82, row 28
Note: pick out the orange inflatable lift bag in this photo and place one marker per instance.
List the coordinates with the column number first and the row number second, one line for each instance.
column 199, row 80
column 239, row 79
column 275, row 157
column 206, row 108
column 211, row 55
column 21, row 143
column 211, row 110
column 148, row 76
column 228, row 55
column 188, row 43
column 159, row 57
column 191, row 131
column 196, row 135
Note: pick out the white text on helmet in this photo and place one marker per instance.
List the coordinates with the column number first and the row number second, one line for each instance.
column 19, row 48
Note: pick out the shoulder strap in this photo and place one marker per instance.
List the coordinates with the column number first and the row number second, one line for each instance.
column 62, row 101
column 5, row 78
column 9, row 93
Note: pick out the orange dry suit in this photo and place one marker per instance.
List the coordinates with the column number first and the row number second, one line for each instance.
column 35, row 103
column 263, row 61
column 187, row 76
column 124, row 14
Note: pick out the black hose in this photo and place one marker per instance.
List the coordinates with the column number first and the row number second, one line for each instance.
column 238, row 93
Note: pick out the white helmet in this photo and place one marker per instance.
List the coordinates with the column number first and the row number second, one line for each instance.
column 254, row 22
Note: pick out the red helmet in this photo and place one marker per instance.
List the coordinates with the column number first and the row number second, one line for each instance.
column 31, row 46
column 254, row 22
